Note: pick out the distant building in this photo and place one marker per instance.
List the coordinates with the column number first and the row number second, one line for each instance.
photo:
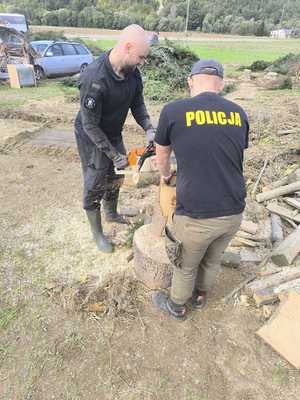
column 283, row 33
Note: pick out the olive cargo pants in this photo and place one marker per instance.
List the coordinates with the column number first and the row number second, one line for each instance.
column 203, row 244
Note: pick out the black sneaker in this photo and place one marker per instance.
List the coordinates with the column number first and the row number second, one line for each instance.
column 199, row 299
column 165, row 304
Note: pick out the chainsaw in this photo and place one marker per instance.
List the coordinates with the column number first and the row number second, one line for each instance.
column 137, row 156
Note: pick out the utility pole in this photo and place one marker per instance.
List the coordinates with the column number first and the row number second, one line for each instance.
column 187, row 15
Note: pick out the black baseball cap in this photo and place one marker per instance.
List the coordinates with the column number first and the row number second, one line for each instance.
column 208, row 67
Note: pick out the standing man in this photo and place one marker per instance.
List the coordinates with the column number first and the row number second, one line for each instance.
column 208, row 135
column 109, row 87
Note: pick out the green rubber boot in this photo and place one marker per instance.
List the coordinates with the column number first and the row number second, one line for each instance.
column 110, row 211
column 94, row 218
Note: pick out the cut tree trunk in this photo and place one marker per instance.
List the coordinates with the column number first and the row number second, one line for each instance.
column 151, row 262
column 280, row 191
column 288, row 250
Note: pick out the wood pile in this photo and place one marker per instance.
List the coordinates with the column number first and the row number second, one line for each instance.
column 279, row 272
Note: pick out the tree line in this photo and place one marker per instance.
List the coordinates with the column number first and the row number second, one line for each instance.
column 243, row 17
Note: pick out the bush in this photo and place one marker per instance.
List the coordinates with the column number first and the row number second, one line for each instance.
column 166, row 73
column 228, row 88
column 288, row 64
column 259, row 65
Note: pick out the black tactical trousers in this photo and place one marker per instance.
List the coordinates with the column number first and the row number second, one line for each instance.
column 99, row 178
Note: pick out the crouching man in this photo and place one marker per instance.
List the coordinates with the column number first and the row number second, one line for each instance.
column 208, row 135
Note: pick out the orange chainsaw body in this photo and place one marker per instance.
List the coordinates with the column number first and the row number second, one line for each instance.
column 134, row 154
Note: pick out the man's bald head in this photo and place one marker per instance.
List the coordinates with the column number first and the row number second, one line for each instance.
column 133, row 33
column 133, row 47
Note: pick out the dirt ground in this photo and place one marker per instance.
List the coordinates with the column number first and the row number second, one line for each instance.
column 52, row 349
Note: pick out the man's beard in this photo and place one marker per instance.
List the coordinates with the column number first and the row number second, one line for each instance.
column 128, row 69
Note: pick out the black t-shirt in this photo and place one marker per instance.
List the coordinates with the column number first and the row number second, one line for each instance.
column 208, row 135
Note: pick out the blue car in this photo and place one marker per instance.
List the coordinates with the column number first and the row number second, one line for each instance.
column 60, row 58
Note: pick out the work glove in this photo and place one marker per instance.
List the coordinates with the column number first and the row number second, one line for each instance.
column 150, row 134
column 120, row 161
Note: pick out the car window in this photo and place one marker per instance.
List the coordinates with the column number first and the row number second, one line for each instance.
column 54, row 50
column 80, row 49
column 40, row 47
column 68, row 49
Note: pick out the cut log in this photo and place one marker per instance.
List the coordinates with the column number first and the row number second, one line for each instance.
column 151, row 263
column 283, row 212
column 276, row 227
column 249, row 226
column 273, row 294
column 240, row 242
column 280, row 191
column 295, row 284
column 287, row 132
column 287, row 275
column 292, row 202
column 246, row 235
column 292, row 177
column 288, row 250
column 143, row 179
column 250, row 256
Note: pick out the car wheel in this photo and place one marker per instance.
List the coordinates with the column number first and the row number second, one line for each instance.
column 39, row 73
column 83, row 67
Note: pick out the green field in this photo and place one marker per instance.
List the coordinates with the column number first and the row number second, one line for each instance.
column 234, row 51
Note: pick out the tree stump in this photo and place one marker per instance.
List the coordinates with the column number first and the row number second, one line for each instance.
column 151, row 262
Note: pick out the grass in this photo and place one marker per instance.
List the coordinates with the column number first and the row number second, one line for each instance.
column 7, row 315
column 231, row 51
column 10, row 98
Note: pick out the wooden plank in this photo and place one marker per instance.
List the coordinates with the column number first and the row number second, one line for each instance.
column 281, row 332
column 288, row 274
column 246, row 235
column 288, row 250
column 280, row 191
column 240, row 242
column 249, row 226
column 283, row 212
column 292, row 202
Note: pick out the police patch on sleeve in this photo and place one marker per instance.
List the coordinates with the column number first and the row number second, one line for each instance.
column 90, row 103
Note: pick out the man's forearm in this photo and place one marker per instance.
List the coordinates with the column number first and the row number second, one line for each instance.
column 163, row 160
column 98, row 137
column 141, row 116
